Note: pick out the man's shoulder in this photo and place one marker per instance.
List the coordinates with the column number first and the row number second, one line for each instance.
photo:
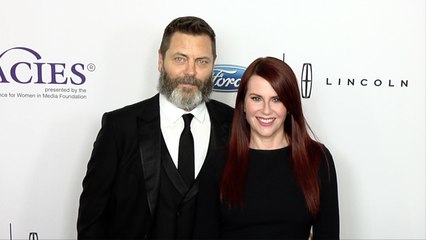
column 137, row 108
column 218, row 107
column 219, row 111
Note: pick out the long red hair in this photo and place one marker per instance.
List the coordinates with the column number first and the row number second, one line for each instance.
column 305, row 152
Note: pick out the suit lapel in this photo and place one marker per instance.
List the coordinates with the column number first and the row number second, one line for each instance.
column 171, row 171
column 150, row 149
column 219, row 133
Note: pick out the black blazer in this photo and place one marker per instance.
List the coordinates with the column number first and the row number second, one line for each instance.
column 120, row 189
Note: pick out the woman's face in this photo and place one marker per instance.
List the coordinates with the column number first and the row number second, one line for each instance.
column 265, row 114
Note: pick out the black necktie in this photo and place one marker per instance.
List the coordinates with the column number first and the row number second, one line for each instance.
column 186, row 152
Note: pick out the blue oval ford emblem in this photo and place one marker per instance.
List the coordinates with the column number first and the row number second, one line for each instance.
column 226, row 78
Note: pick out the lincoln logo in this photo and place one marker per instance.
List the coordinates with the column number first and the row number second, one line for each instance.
column 306, row 81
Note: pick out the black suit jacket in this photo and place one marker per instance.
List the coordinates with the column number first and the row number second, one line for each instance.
column 120, row 189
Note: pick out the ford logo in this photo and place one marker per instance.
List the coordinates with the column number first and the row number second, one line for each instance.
column 226, row 78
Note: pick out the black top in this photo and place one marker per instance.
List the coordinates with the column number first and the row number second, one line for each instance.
column 274, row 205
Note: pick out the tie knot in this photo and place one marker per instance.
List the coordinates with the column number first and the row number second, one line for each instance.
column 187, row 118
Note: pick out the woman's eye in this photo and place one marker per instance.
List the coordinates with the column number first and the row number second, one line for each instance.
column 276, row 99
column 256, row 99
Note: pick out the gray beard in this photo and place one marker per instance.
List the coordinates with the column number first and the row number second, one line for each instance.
column 186, row 98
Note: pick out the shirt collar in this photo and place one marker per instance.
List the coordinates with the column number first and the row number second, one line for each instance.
column 172, row 114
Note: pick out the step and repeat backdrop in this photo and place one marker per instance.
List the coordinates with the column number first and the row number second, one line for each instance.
column 64, row 63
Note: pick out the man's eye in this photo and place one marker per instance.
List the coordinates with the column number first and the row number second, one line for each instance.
column 203, row 61
column 179, row 59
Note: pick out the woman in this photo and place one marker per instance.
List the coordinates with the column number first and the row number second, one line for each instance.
column 277, row 181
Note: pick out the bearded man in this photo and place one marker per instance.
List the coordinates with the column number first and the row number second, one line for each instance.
column 141, row 183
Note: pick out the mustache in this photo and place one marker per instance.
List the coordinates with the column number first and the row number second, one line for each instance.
column 189, row 80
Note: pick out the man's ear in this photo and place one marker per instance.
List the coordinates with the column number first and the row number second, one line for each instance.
column 160, row 61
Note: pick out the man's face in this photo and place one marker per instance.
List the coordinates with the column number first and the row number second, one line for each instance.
column 186, row 70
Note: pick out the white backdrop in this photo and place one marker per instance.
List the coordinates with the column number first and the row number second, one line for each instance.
column 375, row 127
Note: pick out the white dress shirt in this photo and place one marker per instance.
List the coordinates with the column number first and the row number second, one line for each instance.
column 172, row 124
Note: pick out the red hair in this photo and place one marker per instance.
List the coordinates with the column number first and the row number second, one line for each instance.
column 305, row 152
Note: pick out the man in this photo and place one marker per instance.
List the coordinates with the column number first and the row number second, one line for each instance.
column 134, row 187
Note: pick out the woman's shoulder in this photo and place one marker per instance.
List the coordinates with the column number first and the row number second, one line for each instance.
column 327, row 166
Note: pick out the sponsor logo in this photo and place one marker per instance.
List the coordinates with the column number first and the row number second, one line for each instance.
column 306, row 80
column 37, row 71
column 227, row 78
column 364, row 82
